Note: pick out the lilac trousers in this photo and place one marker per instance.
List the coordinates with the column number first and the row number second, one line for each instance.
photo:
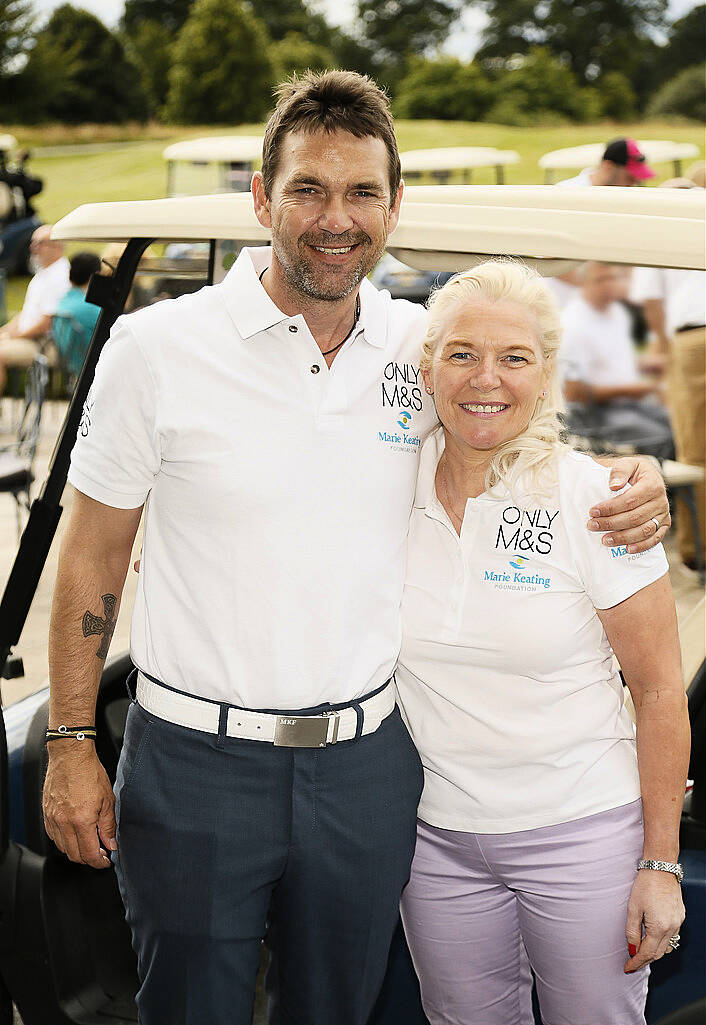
column 481, row 909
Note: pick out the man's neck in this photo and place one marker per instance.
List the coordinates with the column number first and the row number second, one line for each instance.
column 50, row 263
column 598, row 307
column 327, row 319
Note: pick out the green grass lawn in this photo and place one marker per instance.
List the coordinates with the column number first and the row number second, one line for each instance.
column 139, row 172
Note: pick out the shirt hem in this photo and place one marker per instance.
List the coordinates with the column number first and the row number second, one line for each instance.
column 500, row 826
column 628, row 588
column 93, row 489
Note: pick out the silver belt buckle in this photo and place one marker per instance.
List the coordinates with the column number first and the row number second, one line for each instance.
column 304, row 730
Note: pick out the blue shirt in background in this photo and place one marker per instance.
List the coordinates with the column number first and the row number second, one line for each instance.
column 72, row 327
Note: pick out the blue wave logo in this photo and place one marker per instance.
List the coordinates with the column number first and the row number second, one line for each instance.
column 404, row 420
column 519, row 562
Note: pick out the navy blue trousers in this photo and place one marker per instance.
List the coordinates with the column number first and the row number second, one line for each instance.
column 222, row 842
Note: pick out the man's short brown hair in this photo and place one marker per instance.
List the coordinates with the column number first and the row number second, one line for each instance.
column 330, row 101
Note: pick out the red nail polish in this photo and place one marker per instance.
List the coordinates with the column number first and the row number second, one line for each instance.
column 631, row 971
column 632, row 949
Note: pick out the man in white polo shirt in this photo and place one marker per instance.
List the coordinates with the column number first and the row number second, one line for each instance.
column 270, row 426
column 22, row 336
column 609, row 398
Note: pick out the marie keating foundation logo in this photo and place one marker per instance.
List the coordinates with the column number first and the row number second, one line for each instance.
column 401, row 440
column 621, row 551
column 519, row 579
column 519, row 562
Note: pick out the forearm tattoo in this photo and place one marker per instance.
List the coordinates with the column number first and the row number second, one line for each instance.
column 105, row 627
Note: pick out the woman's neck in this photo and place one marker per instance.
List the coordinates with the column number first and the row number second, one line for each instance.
column 465, row 469
column 460, row 475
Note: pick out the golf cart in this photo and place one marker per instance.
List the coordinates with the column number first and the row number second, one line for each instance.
column 212, row 164
column 657, row 151
column 65, row 953
column 18, row 218
column 440, row 164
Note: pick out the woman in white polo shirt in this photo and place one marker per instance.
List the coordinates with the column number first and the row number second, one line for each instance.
column 538, row 801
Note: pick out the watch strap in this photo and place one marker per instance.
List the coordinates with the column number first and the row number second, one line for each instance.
column 662, row 866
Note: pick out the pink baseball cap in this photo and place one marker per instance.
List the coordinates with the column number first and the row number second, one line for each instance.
column 628, row 154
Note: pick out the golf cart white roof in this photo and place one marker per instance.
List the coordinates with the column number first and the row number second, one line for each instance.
column 222, row 149
column 657, row 151
column 451, row 227
column 457, row 157
column 7, row 143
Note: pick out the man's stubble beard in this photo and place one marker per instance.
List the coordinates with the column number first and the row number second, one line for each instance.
column 304, row 279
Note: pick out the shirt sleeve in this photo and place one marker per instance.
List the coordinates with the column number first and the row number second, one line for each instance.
column 609, row 575
column 117, row 454
column 646, row 283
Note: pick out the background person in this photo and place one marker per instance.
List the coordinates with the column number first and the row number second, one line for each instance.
column 609, row 399
column 21, row 338
column 74, row 320
column 675, row 309
column 623, row 163
column 24, row 186
column 531, row 824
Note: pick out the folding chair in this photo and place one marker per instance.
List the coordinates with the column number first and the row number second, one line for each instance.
column 16, row 459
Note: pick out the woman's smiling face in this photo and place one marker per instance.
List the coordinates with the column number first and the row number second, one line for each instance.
column 487, row 372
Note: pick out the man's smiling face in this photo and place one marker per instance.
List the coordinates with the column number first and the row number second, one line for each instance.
column 330, row 211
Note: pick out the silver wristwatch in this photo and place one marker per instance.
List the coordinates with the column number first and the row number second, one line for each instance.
column 662, row 866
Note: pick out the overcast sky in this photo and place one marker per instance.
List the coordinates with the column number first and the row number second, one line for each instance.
column 463, row 42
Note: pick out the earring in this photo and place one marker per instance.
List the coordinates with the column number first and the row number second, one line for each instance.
column 430, row 391
column 544, row 395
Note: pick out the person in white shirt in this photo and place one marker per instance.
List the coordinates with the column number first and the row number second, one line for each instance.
column 675, row 309
column 609, row 399
column 531, row 824
column 21, row 337
column 271, row 426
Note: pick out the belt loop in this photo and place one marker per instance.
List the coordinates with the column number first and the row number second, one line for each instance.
column 131, row 684
column 222, row 725
column 359, row 724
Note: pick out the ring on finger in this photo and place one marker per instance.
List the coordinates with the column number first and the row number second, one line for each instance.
column 656, row 523
column 673, row 942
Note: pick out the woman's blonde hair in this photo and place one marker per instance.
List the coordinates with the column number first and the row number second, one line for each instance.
column 531, row 457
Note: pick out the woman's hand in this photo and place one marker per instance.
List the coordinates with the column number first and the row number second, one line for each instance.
column 655, row 901
column 628, row 518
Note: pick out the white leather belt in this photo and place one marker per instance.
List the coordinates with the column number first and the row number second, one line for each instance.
column 281, row 730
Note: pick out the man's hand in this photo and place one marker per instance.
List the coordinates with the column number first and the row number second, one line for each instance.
column 628, row 518
column 79, row 804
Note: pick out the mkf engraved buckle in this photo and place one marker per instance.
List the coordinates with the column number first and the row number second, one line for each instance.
column 305, row 730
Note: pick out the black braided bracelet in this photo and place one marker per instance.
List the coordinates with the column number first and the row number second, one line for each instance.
column 74, row 732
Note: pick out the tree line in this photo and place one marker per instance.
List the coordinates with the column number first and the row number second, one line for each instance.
column 217, row 61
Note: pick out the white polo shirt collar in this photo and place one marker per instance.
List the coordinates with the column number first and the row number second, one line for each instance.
column 252, row 311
